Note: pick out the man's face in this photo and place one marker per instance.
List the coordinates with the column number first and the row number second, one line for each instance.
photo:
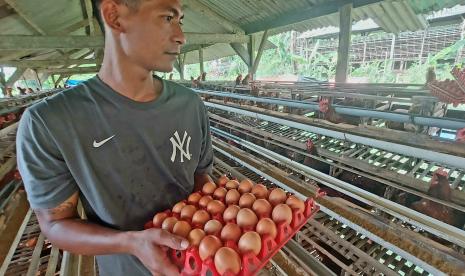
column 152, row 35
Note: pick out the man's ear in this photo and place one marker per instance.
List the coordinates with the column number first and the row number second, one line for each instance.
column 111, row 15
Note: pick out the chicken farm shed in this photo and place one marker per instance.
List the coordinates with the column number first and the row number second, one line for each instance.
column 382, row 165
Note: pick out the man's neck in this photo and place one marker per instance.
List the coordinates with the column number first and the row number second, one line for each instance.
column 129, row 80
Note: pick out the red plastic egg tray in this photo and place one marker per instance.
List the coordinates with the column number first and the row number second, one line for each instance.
column 190, row 263
column 448, row 91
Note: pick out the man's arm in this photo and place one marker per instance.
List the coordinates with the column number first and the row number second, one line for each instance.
column 200, row 179
column 65, row 230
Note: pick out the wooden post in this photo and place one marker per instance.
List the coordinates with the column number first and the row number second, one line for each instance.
column 201, row 60
column 393, row 48
column 251, row 49
column 261, row 48
column 345, row 26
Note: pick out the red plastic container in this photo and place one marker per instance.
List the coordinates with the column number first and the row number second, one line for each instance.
column 191, row 263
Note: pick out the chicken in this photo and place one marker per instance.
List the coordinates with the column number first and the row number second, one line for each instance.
column 330, row 114
column 440, row 189
column 313, row 163
column 362, row 182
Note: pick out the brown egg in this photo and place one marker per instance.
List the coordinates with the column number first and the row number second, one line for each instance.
column 200, row 217
column 267, row 226
column 231, row 212
column 231, row 232
column 232, row 184
column 158, row 219
column 246, row 219
column 220, row 193
column 169, row 223
column 204, row 201
column 213, row 227
column 222, row 180
column 260, row 191
column 250, row 242
column 277, row 196
column 178, row 207
column 232, row 197
column 246, row 200
column 295, row 203
column 226, row 259
column 194, row 198
column 245, row 186
column 208, row 247
column 195, row 236
column 188, row 211
column 208, row 188
column 182, row 228
column 215, row 207
column 262, row 208
column 282, row 212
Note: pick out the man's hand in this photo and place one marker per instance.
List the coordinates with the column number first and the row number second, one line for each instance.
column 149, row 246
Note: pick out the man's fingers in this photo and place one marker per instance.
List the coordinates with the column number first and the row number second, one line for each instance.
column 162, row 237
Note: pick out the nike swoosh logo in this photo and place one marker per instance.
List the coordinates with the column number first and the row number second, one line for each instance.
column 99, row 144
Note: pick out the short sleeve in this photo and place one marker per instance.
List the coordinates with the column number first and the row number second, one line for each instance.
column 47, row 179
column 206, row 155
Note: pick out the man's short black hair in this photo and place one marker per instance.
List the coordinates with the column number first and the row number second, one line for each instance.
column 134, row 4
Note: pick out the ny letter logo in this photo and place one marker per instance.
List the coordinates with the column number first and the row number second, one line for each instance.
column 179, row 145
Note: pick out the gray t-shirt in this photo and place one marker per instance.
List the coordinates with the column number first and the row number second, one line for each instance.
column 127, row 159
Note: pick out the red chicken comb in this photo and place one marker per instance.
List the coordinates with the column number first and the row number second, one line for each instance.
column 310, row 144
column 441, row 172
column 460, row 137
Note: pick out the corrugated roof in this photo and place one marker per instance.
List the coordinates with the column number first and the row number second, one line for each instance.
column 54, row 15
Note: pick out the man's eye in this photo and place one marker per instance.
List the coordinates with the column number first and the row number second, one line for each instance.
column 169, row 18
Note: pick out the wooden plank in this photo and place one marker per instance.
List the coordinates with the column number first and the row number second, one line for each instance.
column 34, row 264
column 345, row 26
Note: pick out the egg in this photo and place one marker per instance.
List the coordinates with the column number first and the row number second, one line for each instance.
column 178, row 207
column 231, row 213
column 208, row 188
column 245, row 186
column 246, row 200
column 222, row 180
column 282, row 213
column 213, row 227
column 169, row 223
column 226, row 259
column 220, row 193
column 277, row 196
column 267, row 226
column 158, row 219
column 231, row 232
column 188, row 211
column 204, row 201
column 232, row 197
column 262, row 208
column 215, row 207
column 182, row 228
column 295, row 203
column 260, row 191
column 246, row 218
column 194, row 198
column 208, row 247
column 232, row 184
column 195, row 236
column 200, row 217
column 250, row 242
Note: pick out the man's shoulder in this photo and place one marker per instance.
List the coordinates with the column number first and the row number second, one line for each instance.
column 182, row 91
column 65, row 99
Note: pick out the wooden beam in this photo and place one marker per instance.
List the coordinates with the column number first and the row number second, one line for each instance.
column 16, row 76
column 345, row 33
column 241, row 51
column 26, row 17
column 251, row 49
column 72, row 71
column 27, row 42
column 201, row 61
column 296, row 16
column 48, row 63
column 261, row 48
column 72, row 28
column 207, row 12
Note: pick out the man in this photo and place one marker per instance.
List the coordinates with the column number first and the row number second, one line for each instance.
column 125, row 143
